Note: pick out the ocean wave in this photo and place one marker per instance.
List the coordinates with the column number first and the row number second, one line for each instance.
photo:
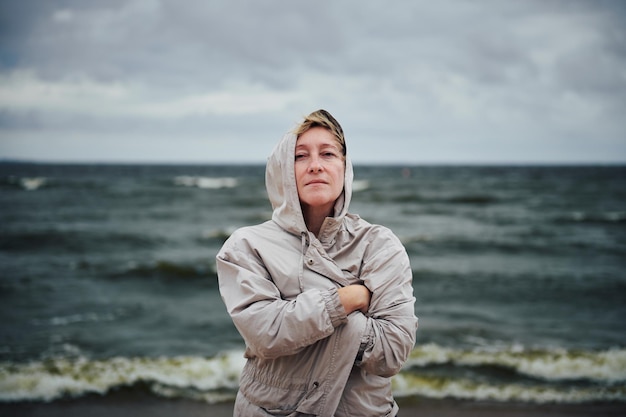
column 74, row 240
column 205, row 378
column 24, row 183
column 360, row 185
column 409, row 196
column 220, row 234
column 548, row 364
column 555, row 376
column 31, row 184
column 76, row 318
column 206, row 182
column 609, row 217
column 406, row 385
column 480, row 244
column 168, row 269
column 49, row 180
column 478, row 199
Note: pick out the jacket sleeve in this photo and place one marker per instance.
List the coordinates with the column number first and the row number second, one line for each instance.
column 391, row 326
column 270, row 326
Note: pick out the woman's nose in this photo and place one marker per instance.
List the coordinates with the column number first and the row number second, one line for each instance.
column 316, row 165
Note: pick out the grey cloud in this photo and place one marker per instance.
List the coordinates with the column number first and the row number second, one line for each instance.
column 171, row 42
column 458, row 74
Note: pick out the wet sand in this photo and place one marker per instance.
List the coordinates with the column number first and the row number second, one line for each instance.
column 123, row 405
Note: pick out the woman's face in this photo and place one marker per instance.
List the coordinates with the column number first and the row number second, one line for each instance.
column 319, row 169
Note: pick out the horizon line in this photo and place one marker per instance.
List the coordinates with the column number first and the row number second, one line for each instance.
column 358, row 163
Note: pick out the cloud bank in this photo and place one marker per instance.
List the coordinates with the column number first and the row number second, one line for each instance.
column 220, row 81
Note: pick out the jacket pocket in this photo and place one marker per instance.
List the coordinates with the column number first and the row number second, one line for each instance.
column 277, row 395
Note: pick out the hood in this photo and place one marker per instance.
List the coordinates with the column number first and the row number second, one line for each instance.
column 280, row 181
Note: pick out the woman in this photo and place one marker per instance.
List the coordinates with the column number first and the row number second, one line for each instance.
column 322, row 299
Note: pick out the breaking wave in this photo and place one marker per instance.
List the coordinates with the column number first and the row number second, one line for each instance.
column 195, row 377
column 547, row 364
column 536, row 376
column 24, row 183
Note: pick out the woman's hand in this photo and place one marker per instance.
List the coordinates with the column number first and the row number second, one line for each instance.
column 355, row 297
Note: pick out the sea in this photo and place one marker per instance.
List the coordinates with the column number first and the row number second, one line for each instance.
column 108, row 279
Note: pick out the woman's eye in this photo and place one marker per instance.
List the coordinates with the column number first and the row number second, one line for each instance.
column 300, row 156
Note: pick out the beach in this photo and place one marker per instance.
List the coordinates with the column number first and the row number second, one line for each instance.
column 123, row 405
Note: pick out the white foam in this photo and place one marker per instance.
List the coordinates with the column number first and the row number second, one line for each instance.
column 206, row 182
column 549, row 364
column 76, row 318
column 609, row 216
column 56, row 378
column 216, row 379
column 615, row 216
column 360, row 185
column 32, row 183
column 405, row 385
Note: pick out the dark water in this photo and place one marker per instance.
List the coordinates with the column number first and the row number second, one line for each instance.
column 107, row 278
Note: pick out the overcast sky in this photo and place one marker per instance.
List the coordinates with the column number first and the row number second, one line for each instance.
column 221, row 81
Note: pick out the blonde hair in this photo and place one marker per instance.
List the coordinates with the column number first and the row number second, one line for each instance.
column 322, row 118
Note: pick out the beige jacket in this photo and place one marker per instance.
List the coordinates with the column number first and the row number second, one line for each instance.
column 279, row 283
